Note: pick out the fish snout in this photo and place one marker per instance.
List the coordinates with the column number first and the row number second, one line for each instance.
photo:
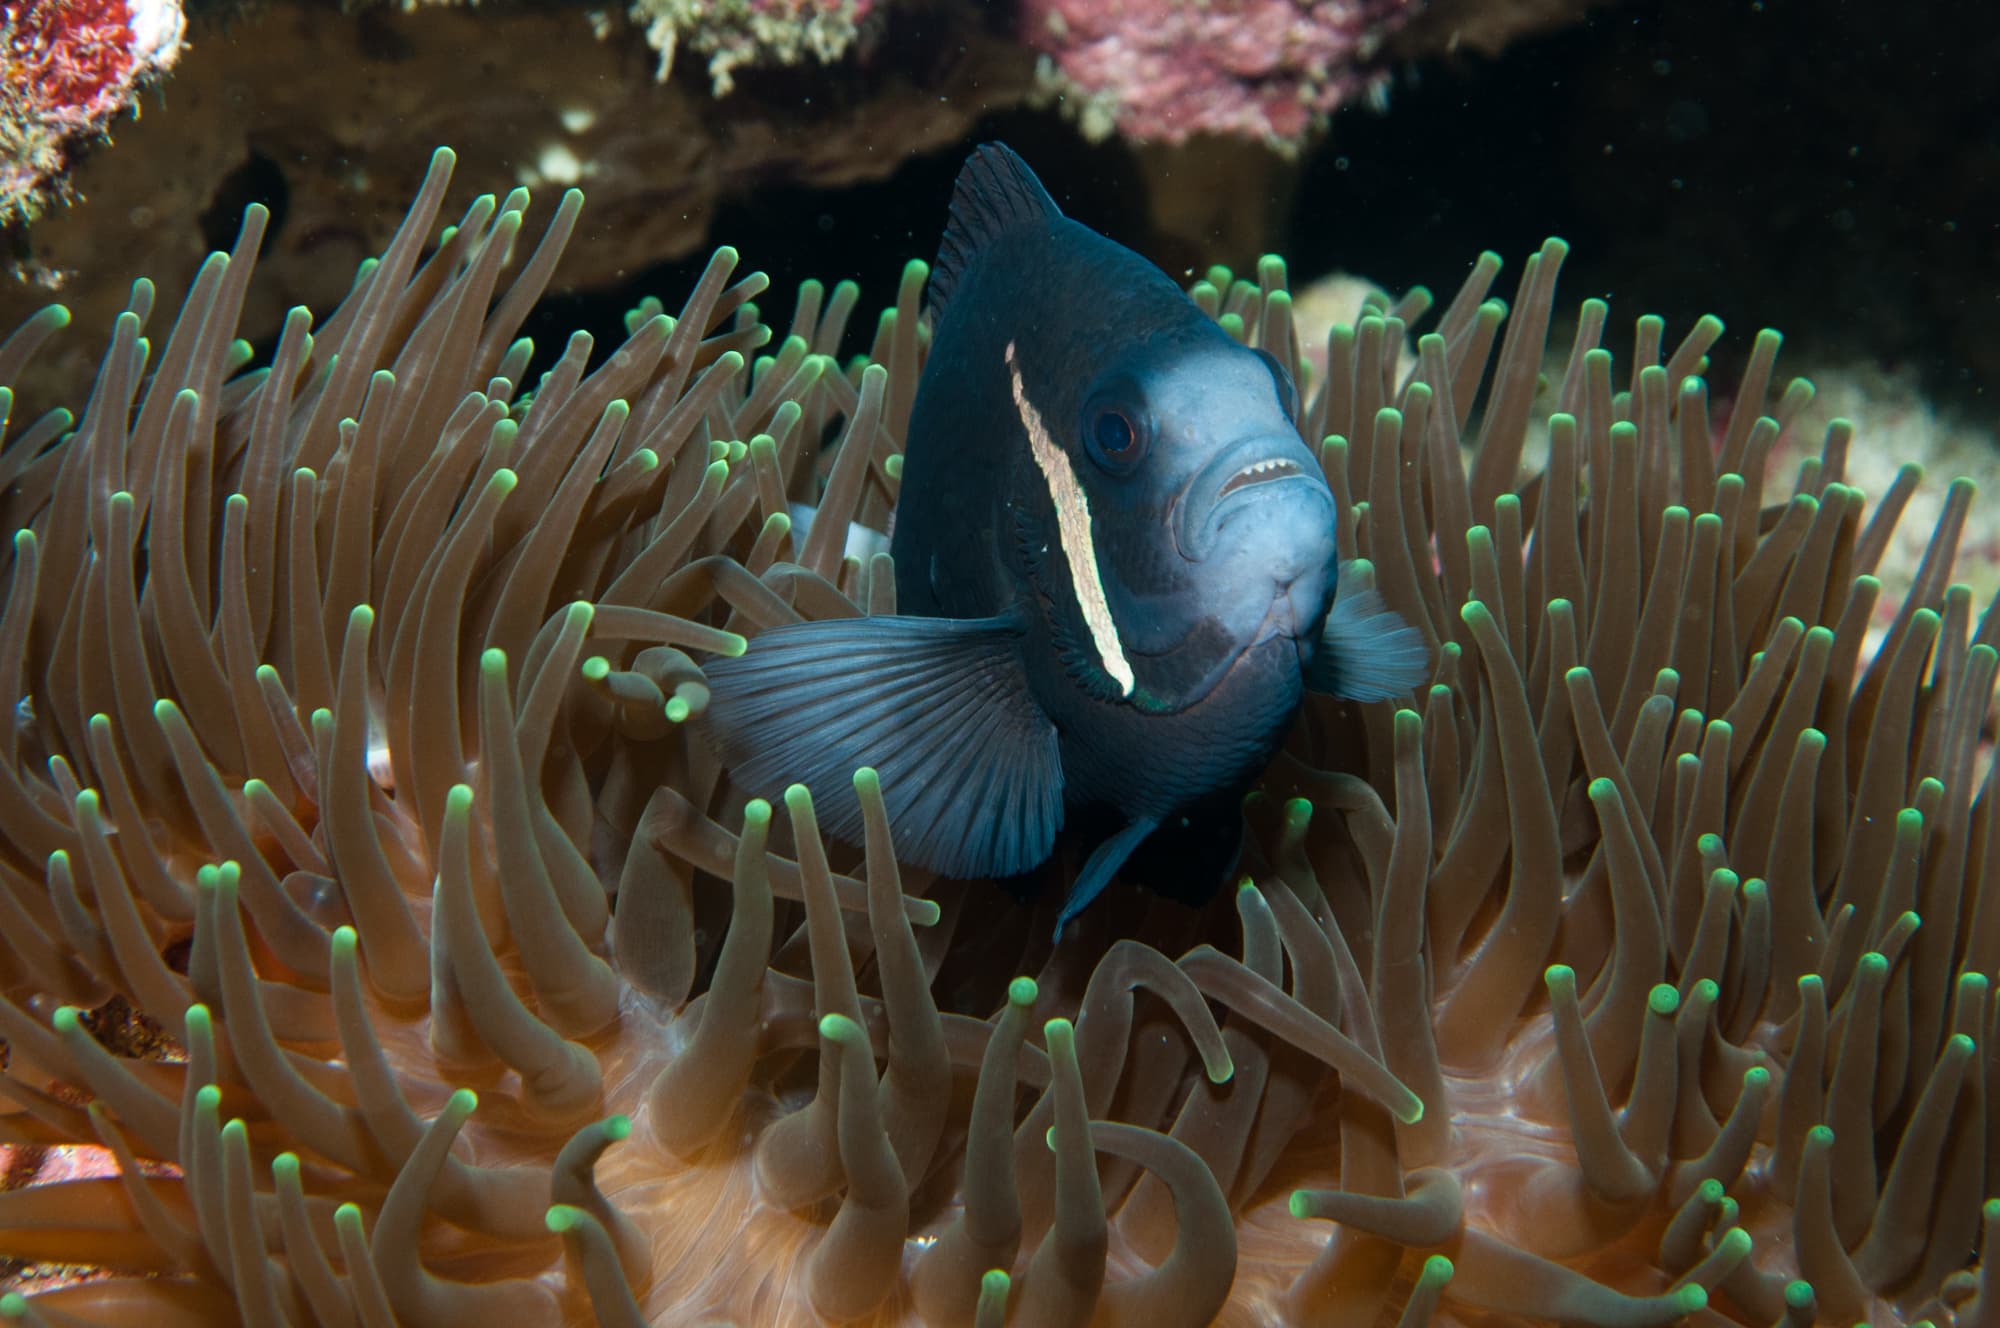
column 1267, row 547
column 1262, row 480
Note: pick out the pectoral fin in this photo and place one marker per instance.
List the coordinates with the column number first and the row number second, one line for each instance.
column 938, row 706
column 1366, row 652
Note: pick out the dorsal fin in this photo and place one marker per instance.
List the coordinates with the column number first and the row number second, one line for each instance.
column 995, row 193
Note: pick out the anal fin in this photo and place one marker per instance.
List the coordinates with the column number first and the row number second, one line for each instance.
column 1098, row 869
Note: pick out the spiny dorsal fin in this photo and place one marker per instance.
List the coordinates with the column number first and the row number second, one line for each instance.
column 995, row 193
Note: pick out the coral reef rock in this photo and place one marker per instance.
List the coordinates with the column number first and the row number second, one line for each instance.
column 661, row 111
column 1162, row 71
column 734, row 33
column 67, row 67
column 315, row 113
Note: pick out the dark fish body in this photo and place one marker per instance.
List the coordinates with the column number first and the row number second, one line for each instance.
column 978, row 536
column 1114, row 563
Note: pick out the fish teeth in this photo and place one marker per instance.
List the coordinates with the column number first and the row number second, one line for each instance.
column 1256, row 473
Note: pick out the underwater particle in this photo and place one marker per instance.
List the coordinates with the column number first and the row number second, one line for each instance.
column 66, row 68
column 1164, row 70
column 1687, row 121
column 738, row 33
column 555, row 164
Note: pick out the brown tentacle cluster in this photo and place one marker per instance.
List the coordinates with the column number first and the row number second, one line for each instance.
column 1637, row 971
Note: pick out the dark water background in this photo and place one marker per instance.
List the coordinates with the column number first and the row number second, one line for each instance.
column 1828, row 168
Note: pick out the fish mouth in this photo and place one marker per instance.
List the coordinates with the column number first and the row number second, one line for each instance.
column 1241, row 471
column 1296, row 614
column 1258, row 472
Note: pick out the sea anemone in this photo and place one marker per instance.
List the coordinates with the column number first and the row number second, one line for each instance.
column 1638, row 970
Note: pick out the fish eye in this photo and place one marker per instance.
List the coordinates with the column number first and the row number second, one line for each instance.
column 1114, row 431
column 1113, row 434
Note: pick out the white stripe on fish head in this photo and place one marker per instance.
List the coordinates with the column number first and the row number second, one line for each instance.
column 1073, row 529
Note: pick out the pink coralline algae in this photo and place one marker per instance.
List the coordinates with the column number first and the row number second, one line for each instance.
column 66, row 68
column 1162, row 70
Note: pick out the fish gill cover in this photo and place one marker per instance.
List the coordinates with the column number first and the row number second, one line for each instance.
column 1639, row 971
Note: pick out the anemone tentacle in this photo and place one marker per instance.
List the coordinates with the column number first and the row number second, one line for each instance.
column 1638, row 969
